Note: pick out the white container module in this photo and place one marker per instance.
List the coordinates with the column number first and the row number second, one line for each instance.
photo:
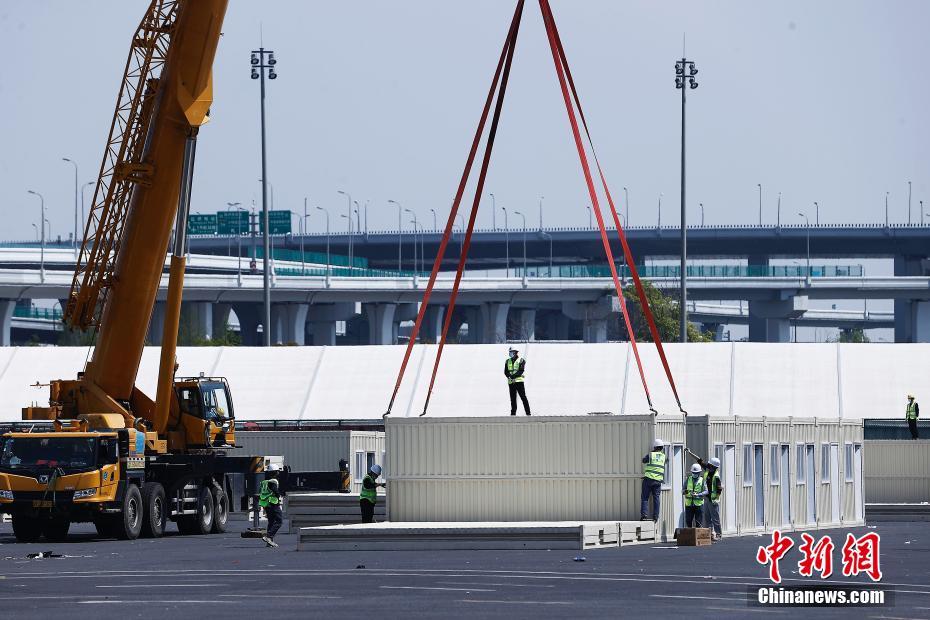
column 897, row 472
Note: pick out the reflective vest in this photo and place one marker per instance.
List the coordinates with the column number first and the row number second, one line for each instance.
column 655, row 468
column 912, row 410
column 371, row 494
column 712, row 487
column 265, row 495
column 694, row 486
column 511, row 367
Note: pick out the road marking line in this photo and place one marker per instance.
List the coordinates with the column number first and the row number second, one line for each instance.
column 516, row 602
column 745, row 609
column 165, row 585
column 709, row 598
column 147, row 601
column 434, row 588
column 280, row 596
column 480, row 583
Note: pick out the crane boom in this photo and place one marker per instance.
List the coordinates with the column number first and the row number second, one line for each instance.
column 128, row 233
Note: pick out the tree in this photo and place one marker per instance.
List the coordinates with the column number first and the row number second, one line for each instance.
column 665, row 313
column 856, row 335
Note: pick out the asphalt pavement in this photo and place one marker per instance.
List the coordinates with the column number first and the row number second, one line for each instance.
column 226, row 575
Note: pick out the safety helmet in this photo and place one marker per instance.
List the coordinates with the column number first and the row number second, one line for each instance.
column 715, row 462
column 658, row 443
column 376, row 470
column 910, row 397
column 695, row 469
column 273, row 467
column 512, row 350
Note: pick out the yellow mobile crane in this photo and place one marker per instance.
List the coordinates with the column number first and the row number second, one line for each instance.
column 115, row 456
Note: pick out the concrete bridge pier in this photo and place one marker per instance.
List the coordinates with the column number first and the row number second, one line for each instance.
column 525, row 325
column 220, row 313
column 250, row 317
column 6, row 320
column 557, row 325
column 381, row 326
column 770, row 320
column 431, row 328
column 911, row 317
column 476, row 320
column 157, row 324
column 323, row 317
column 289, row 323
column 495, row 322
column 198, row 317
column 593, row 316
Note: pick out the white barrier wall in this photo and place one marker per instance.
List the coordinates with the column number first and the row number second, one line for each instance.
column 717, row 379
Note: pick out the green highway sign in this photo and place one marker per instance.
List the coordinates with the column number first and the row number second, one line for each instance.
column 279, row 222
column 232, row 222
column 201, row 224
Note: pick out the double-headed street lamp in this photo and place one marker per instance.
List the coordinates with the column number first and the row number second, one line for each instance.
column 42, row 221
column 263, row 62
column 684, row 79
column 400, row 235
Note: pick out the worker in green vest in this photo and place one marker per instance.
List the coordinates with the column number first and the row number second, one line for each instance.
column 912, row 412
column 514, row 368
column 368, row 497
column 694, row 491
column 653, row 475
column 269, row 498
column 714, row 491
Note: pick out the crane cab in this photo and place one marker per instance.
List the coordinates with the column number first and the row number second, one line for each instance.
column 204, row 415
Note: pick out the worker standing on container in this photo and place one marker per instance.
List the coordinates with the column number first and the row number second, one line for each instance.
column 653, row 475
column 694, row 491
column 912, row 413
column 368, row 498
column 514, row 368
column 714, row 492
column 269, row 498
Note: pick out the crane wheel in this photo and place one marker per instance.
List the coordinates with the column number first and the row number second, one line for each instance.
column 220, row 510
column 202, row 522
column 26, row 530
column 154, row 510
column 129, row 522
column 56, row 529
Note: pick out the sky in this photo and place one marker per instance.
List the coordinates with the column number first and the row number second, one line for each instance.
column 822, row 101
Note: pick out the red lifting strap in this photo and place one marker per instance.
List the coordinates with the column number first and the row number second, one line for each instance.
column 503, row 65
column 561, row 62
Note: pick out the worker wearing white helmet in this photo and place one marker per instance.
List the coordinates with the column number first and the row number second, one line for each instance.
column 912, row 412
column 694, row 491
column 270, row 499
column 368, row 497
column 514, row 370
column 653, row 475
column 714, row 490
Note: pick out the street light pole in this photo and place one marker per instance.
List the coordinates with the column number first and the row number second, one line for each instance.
column 908, row 203
column 434, row 220
column 886, row 209
column 264, row 61
column 816, row 214
column 349, row 205
column 549, row 237
column 42, row 236
column 590, row 221
column 806, row 219
column 659, row 222
column 229, row 207
column 507, row 241
column 541, row 198
column 524, row 241
column 702, row 214
column 760, row 203
column 493, row 212
column 326, row 211
column 414, row 222
column 400, row 235
column 303, row 222
column 73, row 163
column 626, row 198
column 778, row 212
column 684, row 81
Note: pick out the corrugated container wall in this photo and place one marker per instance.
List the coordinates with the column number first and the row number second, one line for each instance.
column 519, row 469
column 897, row 471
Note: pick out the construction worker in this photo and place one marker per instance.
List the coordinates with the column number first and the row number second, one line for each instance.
column 514, row 368
column 653, row 475
column 269, row 498
column 368, row 498
column 714, row 490
column 694, row 491
column 912, row 413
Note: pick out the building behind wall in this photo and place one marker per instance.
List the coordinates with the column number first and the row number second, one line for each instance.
column 590, row 468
